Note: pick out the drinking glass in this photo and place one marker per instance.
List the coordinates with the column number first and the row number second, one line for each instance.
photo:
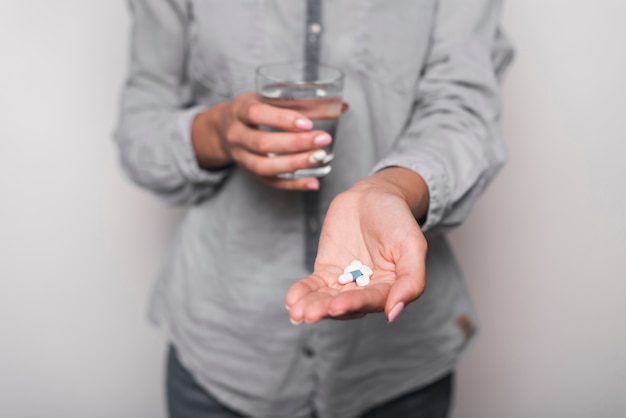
column 311, row 89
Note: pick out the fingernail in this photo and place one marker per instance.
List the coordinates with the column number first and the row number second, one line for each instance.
column 322, row 140
column 393, row 314
column 312, row 185
column 286, row 307
column 318, row 156
column 294, row 322
column 304, row 124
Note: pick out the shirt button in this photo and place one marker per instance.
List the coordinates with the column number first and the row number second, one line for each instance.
column 315, row 28
column 308, row 352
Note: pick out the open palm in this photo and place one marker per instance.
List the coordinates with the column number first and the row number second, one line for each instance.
column 377, row 228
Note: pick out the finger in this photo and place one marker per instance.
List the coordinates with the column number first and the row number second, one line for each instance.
column 410, row 283
column 268, row 142
column 301, row 288
column 258, row 113
column 305, row 293
column 314, row 307
column 360, row 300
column 269, row 166
column 305, row 184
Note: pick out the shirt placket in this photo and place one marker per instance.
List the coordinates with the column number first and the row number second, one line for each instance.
column 311, row 200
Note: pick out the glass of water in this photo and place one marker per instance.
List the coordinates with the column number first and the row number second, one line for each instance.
column 311, row 89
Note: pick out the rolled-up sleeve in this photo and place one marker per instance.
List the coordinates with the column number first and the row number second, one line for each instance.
column 453, row 139
column 157, row 108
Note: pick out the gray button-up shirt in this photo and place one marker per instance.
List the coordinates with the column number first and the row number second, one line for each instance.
column 422, row 84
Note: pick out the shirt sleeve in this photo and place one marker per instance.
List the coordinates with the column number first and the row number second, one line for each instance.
column 453, row 139
column 157, row 108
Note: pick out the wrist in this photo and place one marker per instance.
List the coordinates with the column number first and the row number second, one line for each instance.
column 205, row 139
column 404, row 183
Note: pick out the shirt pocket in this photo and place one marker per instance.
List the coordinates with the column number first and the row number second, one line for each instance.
column 225, row 45
column 395, row 41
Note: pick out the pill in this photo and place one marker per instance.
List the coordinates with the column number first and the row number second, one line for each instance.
column 363, row 280
column 366, row 270
column 357, row 272
column 318, row 156
column 349, row 269
column 356, row 264
column 345, row 278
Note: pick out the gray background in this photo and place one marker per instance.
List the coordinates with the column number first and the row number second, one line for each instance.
column 544, row 250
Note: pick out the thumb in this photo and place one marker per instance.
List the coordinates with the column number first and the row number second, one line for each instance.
column 407, row 288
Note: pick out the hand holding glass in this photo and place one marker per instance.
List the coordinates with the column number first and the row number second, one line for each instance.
column 311, row 89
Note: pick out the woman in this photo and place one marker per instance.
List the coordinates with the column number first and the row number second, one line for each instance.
column 413, row 152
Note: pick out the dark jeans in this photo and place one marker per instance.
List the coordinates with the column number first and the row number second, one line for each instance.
column 186, row 399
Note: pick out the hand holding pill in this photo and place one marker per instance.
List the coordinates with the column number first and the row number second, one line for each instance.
column 371, row 234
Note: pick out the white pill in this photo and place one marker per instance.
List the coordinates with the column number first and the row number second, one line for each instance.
column 318, row 156
column 366, row 270
column 363, row 280
column 356, row 264
column 345, row 278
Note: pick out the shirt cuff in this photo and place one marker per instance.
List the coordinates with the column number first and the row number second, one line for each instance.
column 436, row 180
